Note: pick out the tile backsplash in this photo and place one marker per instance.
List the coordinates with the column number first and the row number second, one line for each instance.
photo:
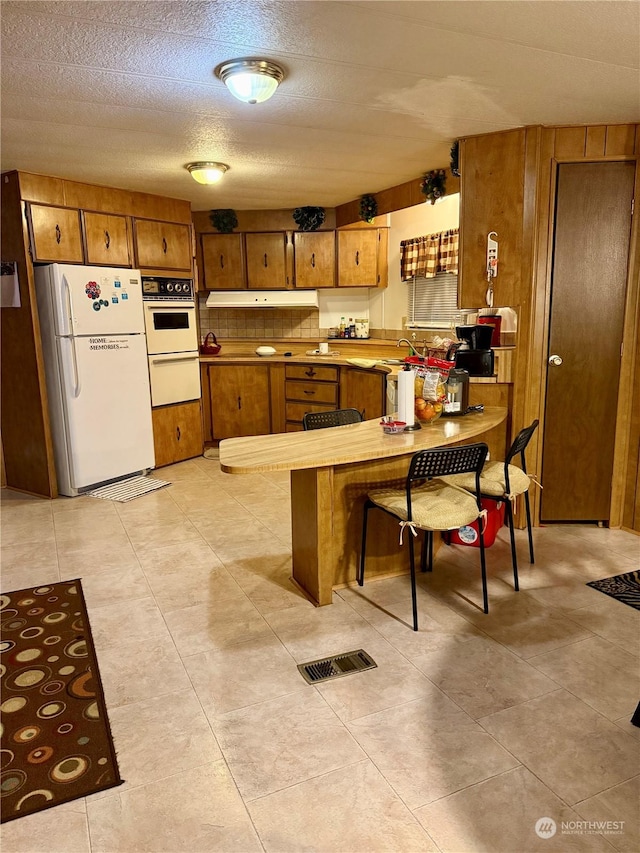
column 259, row 323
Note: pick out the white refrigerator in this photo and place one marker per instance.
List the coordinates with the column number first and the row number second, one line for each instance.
column 95, row 356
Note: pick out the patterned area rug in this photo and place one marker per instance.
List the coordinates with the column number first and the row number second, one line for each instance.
column 56, row 741
column 625, row 588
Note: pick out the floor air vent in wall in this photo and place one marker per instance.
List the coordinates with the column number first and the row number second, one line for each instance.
column 336, row 666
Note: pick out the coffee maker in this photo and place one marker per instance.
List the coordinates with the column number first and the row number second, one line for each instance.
column 475, row 355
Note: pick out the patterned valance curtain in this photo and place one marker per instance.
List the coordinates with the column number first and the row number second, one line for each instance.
column 430, row 255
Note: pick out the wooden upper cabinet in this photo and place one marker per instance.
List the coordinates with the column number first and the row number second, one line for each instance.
column 314, row 259
column 267, row 261
column 162, row 245
column 55, row 234
column 223, row 261
column 492, row 171
column 358, row 257
column 106, row 239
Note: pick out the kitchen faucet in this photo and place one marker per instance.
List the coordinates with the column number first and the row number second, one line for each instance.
column 414, row 351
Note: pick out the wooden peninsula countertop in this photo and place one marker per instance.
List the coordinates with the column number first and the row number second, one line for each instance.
column 331, row 472
column 350, row 444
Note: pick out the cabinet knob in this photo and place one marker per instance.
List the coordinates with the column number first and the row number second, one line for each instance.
column 221, row 262
column 265, row 260
column 178, row 433
column 164, row 245
column 357, row 258
column 239, row 402
column 58, row 234
column 107, row 239
column 313, row 259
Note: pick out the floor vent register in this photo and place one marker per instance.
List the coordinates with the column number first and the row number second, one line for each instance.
column 336, row 666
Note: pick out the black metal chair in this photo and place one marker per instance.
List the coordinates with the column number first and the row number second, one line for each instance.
column 502, row 481
column 435, row 505
column 337, row 417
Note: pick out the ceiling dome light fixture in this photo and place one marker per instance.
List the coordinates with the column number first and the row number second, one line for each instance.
column 250, row 79
column 207, row 172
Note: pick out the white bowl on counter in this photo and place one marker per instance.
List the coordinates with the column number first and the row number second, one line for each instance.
column 265, row 351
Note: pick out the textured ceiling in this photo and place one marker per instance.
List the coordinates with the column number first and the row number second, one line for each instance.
column 123, row 93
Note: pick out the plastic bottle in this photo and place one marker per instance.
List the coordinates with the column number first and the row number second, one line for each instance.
column 342, row 327
column 352, row 328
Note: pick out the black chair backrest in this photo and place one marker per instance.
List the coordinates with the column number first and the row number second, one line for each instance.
column 338, row 417
column 520, row 442
column 443, row 461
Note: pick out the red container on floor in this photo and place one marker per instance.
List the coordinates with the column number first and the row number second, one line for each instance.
column 469, row 535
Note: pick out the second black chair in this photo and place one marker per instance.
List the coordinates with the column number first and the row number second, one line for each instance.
column 432, row 504
column 337, row 417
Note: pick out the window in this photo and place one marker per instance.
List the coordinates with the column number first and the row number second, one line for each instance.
column 433, row 302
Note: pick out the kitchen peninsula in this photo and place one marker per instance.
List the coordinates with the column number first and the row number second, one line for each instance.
column 331, row 472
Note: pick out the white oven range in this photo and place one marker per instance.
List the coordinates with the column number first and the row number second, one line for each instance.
column 172, row 339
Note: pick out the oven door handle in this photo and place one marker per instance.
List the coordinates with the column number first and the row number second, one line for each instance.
column 163, row 359
column 174, row 307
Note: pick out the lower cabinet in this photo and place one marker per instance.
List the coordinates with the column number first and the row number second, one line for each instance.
column 364, row 390
column 240, row 400
column 177, row 432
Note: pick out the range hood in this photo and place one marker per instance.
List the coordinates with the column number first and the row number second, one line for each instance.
column 263, row 299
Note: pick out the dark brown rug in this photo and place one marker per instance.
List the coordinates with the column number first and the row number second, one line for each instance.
column 625, row 588
column 56, row 741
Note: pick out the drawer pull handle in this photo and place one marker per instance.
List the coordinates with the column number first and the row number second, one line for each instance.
column 265, row 260
column 357, row 258
column 221, row 262
column 310, row 372
column 58, row 234
column 313, row 259
column 164, row 245
column 107, row 239
column 309, row 392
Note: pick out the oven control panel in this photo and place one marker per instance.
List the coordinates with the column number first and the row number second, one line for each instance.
column 163, row 289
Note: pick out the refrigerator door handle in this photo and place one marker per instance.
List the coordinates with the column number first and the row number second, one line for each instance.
column 70, row 372
column 76, row 372
column 69, row 305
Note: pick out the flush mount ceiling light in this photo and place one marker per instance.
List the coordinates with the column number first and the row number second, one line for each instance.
column 207, row 172
column 251, row 80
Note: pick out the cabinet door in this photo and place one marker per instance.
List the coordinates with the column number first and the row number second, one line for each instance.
column 223, row 261
column 491, row 199
column 364, row 390
column 55, row 234
column 358, row 258
column 162, row 245
column 314, row 258
column 267, row 261
column 106, row 239
column 177, row 432
column 240, row 402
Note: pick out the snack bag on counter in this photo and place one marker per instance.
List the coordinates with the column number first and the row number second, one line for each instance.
column 430, row 393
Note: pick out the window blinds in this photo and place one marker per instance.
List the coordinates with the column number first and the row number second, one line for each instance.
column 433, row 302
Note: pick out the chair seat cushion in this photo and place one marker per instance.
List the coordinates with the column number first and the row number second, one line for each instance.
column 492, row 480
column 436, row 505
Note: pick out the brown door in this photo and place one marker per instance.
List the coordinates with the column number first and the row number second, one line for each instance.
column 591, row 250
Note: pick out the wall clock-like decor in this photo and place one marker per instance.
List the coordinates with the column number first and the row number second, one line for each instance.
column 223, row 220
column 308, row 218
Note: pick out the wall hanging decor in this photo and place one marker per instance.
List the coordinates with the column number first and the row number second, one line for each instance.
column 223, row 220
column 308, row 218
column 368, row 208
column 455, row 168
column 433, row 185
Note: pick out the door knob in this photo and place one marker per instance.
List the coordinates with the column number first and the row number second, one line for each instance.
column 556, row 360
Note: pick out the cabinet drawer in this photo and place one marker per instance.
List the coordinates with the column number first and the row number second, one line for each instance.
column 317, row 392
column 296, row 411
column 310, row 371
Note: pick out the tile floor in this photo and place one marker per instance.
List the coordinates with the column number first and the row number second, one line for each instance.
column 463, row 737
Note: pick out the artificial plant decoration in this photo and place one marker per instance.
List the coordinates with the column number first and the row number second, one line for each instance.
column 455, row 168
column 368, row 208
column 433, row 185
column 223, row 220
column 308, row 218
